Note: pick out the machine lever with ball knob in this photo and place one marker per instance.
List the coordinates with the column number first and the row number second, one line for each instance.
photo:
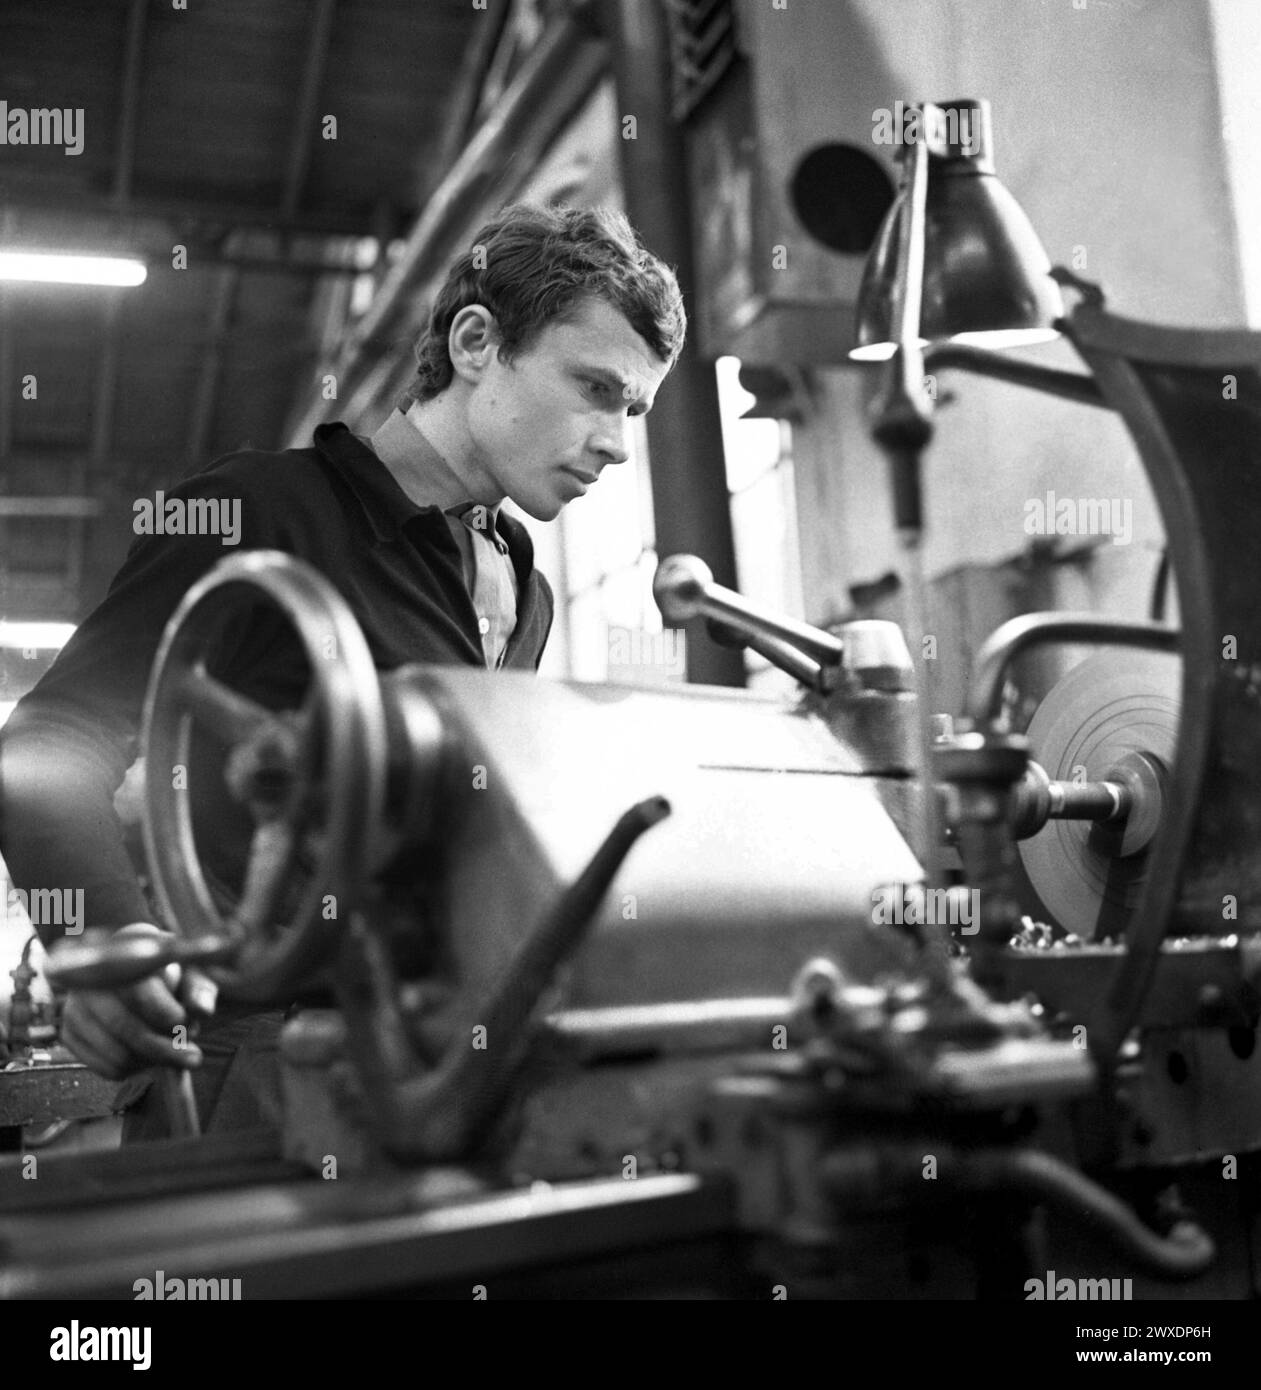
column 684, row 588
column 870, row 653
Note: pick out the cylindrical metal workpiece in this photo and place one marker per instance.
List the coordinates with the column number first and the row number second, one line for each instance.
column 1088, row 800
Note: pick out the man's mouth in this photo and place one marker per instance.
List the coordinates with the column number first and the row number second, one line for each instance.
column 587, row 478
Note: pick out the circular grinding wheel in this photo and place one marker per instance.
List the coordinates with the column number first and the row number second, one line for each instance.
column 1112, row 706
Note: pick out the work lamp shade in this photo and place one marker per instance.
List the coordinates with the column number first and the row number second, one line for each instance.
column 986, row 275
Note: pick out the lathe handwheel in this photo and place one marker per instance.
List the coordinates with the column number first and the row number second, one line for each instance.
column 314, row 778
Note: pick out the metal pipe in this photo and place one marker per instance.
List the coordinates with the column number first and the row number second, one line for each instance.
column 1186, row 1251
column 985, row 690
column 864, row 1174
column 693, row 1025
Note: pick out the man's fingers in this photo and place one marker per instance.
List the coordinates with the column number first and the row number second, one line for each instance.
column 162, row 1050
column 117, row 1032
column 199, row 992
column 153, row 1002
column 93, row 1044
column 121, row 1041
column 152, row 1043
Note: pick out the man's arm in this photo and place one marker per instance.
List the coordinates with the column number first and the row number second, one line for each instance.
column 64, row 753
column 68, row 744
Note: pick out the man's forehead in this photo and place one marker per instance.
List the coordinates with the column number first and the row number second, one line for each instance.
column 597, row 325
column 598, row 335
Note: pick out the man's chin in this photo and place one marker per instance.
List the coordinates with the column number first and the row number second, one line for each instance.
column 542, row 509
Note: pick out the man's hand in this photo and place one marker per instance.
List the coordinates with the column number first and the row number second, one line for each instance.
column 117, row 1032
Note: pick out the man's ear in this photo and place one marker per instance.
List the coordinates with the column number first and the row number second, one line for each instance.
column 472, row 341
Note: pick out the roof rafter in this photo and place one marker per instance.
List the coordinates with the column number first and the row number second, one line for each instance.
column 129, row 103
column 308, row 95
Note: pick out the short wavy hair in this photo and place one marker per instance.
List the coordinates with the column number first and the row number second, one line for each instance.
column 531, row 265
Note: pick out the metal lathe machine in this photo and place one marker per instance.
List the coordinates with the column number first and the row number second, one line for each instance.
column 644, row 992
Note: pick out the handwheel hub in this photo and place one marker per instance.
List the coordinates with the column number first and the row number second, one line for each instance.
column 262, row 773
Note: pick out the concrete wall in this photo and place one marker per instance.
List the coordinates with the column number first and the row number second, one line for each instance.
column 1108, row 128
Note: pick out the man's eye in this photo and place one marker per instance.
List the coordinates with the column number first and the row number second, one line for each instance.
column 606, row 391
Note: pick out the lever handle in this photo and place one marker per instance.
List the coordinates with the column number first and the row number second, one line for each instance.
column 684, row 588
column 449, row 1109
column 122, row 960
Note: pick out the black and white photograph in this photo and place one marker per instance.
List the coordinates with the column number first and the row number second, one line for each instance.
column 630, row 668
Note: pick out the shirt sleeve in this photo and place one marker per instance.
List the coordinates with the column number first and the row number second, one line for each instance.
column 69, row 742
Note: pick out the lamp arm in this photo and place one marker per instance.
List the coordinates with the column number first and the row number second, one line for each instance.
column 902, row 425
column 902, row 414
column 908, row 312
column 1073, row 386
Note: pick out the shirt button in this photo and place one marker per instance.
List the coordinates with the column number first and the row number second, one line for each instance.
column 483, row 626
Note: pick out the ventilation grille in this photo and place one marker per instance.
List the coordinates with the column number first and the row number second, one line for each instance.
column 702, row 48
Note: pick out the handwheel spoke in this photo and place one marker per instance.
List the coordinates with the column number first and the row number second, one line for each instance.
column 311, row 850
column 305, row 725
column 221, row 709
column 265, row 876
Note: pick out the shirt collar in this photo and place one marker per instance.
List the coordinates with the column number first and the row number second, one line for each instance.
column 388, row 507
column 420, row 470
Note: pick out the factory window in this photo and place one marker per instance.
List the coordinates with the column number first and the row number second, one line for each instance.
column 602, row 561
column 758, row 453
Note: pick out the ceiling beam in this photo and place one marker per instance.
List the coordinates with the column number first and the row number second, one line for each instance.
column 8, row 223
column 303, row 134
column 208, row 385
column 34, row 597
column 106, row 382
column 6, row 370
column 129, row 104
column 89, row 468
column 247, row 248
column 6, row 421
column 466, row 97
column 269, row 265
column 65, row 196
column 63, row 507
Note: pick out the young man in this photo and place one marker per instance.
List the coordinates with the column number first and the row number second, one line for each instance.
column 550, row 331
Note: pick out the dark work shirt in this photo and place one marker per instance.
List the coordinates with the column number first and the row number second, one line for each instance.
column 422, row 472
column 69, row 742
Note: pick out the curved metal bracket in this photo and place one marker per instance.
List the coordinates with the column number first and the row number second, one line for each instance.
column 1192, row 402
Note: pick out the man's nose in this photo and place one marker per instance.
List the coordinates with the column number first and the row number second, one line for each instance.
column 609, row 441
